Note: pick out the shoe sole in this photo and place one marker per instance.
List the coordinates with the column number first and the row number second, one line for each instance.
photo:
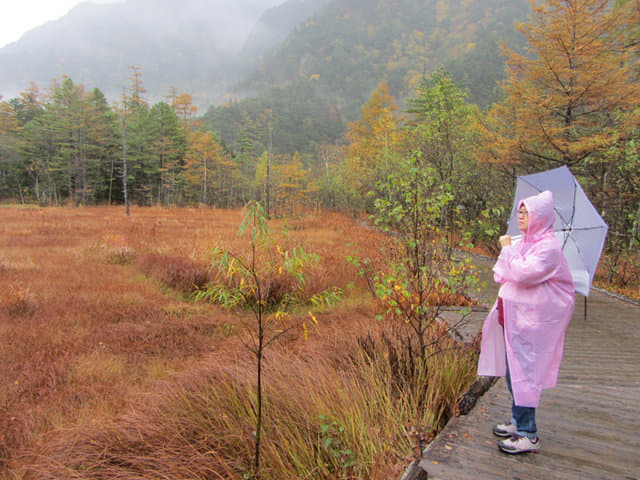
column 502, row 434
column 515, row 452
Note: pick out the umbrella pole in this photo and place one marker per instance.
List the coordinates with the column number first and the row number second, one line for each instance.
column 585, row 309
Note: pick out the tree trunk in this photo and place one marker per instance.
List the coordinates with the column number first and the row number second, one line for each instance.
column 124, row 166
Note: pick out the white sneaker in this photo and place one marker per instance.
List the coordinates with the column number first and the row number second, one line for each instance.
column 518, row 444
column 504, row 429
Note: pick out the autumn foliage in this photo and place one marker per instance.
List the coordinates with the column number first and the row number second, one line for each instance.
column 573, row 93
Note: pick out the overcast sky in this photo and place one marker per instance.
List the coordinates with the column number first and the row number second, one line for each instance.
column 19, row 16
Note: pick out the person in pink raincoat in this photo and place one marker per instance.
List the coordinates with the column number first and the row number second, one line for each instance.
column 523, row 335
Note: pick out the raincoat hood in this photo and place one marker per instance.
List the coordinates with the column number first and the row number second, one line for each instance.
column 541, row 217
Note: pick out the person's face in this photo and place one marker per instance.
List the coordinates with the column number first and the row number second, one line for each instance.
column 523, row 219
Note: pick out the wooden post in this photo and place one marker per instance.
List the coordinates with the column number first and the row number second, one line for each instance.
column 415, row 472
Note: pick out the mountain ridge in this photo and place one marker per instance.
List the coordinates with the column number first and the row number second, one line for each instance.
column 191, row 44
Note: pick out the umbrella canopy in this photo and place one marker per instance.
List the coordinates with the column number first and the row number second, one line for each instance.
column 578, row 226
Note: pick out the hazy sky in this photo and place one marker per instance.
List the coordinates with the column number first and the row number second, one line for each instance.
column 19, row 16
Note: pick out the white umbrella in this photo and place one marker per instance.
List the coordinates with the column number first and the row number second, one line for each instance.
column 578, row 226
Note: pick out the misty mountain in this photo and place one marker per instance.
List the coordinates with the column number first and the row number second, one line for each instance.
column 317, row 79
column 336, row 51
column 346, row 48
column 276, row 24
column 193, row 45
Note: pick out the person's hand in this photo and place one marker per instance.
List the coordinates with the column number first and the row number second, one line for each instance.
column 505, row 241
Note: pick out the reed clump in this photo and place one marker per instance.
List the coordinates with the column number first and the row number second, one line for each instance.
column 176, row 271
column 340, row 414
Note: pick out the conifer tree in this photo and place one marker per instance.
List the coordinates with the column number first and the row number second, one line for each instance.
column 372, row 142
column 141, row 168
column 572, row 95
column 184, row 107
column 105, row 145
column 442, row 130
column 293, row 179
column 167, row 149
column 200, row 161
column 11, row 170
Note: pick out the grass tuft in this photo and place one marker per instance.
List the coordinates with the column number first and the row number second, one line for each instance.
column 175, row 271
column 18, row 300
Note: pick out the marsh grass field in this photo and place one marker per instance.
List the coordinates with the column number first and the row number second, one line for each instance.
column 110, row 369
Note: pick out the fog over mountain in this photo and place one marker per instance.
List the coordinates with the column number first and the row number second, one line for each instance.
column 275, row 24
column 193, row 45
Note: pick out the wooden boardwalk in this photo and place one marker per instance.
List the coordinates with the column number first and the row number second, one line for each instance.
column 589, row 425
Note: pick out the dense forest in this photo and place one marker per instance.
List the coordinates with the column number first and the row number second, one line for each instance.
column 325, row 70
column 568, row 96
column 349, row 46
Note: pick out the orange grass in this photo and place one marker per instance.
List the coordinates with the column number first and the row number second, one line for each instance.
column 109, row 369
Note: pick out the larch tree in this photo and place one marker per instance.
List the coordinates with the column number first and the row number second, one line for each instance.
column 268, row 122
column 291, row 190
column 39, row 148
column 210, row 173
column 372, row 142
column 631, row 11
column 571, row 95
column 83, row 135
column 244, row 152
column 28, row 105
column 329, row 159
column 199, row 165
column 227, row 173
column 184, row 107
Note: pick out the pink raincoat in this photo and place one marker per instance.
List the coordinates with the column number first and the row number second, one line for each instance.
column 538, row 297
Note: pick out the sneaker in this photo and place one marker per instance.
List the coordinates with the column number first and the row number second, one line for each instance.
column 504, row 429
column 518, row 444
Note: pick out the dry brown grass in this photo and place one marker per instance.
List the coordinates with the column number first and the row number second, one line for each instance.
column 93, row 308
column 109, row 369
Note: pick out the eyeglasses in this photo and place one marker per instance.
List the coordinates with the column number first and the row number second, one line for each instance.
column 523, row 213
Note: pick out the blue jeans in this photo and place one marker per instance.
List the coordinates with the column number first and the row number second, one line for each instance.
column 524, row 418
